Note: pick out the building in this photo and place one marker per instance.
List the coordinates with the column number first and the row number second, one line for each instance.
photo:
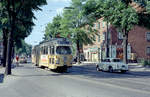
column 94, row 52
column 139, row 39
column 138, row 43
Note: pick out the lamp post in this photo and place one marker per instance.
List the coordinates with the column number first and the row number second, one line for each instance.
column 107, row 41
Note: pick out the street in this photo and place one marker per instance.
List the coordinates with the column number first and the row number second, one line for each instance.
column 80, row 81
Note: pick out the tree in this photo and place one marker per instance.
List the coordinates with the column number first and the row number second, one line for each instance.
column 4, row 28
column 74, row 24
column 23, row 48
column 53, row 29
column 121, row 16
column 19, row 15
column 118, row 13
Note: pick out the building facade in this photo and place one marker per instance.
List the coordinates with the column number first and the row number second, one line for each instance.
column 138, row 43
column 94, row 52
column 139, row 39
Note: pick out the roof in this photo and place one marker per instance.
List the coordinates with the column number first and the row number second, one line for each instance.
column 60, row 41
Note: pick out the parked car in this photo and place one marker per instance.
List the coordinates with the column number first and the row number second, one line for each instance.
column 22, row 59
column 112, row 64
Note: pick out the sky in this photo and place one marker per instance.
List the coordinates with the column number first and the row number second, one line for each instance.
column 45, row 16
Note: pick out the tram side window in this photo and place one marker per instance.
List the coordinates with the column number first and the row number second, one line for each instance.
column 52, row 50
column 42, row 50
column 49, row 49
column 46, row 50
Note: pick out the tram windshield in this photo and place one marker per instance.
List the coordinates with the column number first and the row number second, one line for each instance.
column 63, row 50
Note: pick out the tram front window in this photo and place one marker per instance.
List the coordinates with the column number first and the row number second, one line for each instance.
column 63, row 50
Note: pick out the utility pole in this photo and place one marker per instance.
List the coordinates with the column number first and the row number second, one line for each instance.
column 107, row 41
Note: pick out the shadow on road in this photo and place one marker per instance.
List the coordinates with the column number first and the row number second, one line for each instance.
column 1, row 78
column 90, row 71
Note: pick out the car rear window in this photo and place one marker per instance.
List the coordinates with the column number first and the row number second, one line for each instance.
column 116, row 60
column 106, row 60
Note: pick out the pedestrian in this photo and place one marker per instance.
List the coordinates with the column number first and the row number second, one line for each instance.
column 17, row 60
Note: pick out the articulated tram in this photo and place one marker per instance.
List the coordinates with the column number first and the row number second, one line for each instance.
column 55, row 54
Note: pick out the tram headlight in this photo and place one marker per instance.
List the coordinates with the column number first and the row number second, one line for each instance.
column 57, row 61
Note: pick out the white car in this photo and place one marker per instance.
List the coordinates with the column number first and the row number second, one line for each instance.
column 112, row 64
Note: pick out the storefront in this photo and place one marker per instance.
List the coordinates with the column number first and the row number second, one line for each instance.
column 92, row 54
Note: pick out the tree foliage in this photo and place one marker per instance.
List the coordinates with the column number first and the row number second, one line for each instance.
column 119, row 14
column 16, row 19
column 73, row 24
column 23, row 48
column 23, row 12
column 53, row 29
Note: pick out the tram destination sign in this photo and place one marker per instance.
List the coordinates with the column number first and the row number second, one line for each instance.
column 63, row 42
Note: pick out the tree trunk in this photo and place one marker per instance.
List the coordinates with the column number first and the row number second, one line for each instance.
column 9, row 54
column 10, row 38
column 125, row 44
column 78, row 52
column 13, row 53
column 5, row 35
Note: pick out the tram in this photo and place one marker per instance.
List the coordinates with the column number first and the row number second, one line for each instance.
column 55, row 54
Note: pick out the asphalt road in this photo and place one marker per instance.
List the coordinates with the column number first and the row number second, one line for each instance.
column 80, row 81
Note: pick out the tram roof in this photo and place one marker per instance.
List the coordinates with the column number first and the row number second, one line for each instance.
column 59, row 41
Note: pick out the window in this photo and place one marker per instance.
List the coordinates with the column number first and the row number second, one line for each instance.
column 49, row 49
column 120, row 35
column 98, row 25
column 95, row 26
column 52, row 50
column 109, row 34
column 50, row 60
column 106, row 60
column 103, row 24
column 53, row 61
column 63, row 50
column 148, row 36
column 46, row 50
column 42, row 50
column 116, row 60
column 148, row 50
column 103, row 36
column 98, row 38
